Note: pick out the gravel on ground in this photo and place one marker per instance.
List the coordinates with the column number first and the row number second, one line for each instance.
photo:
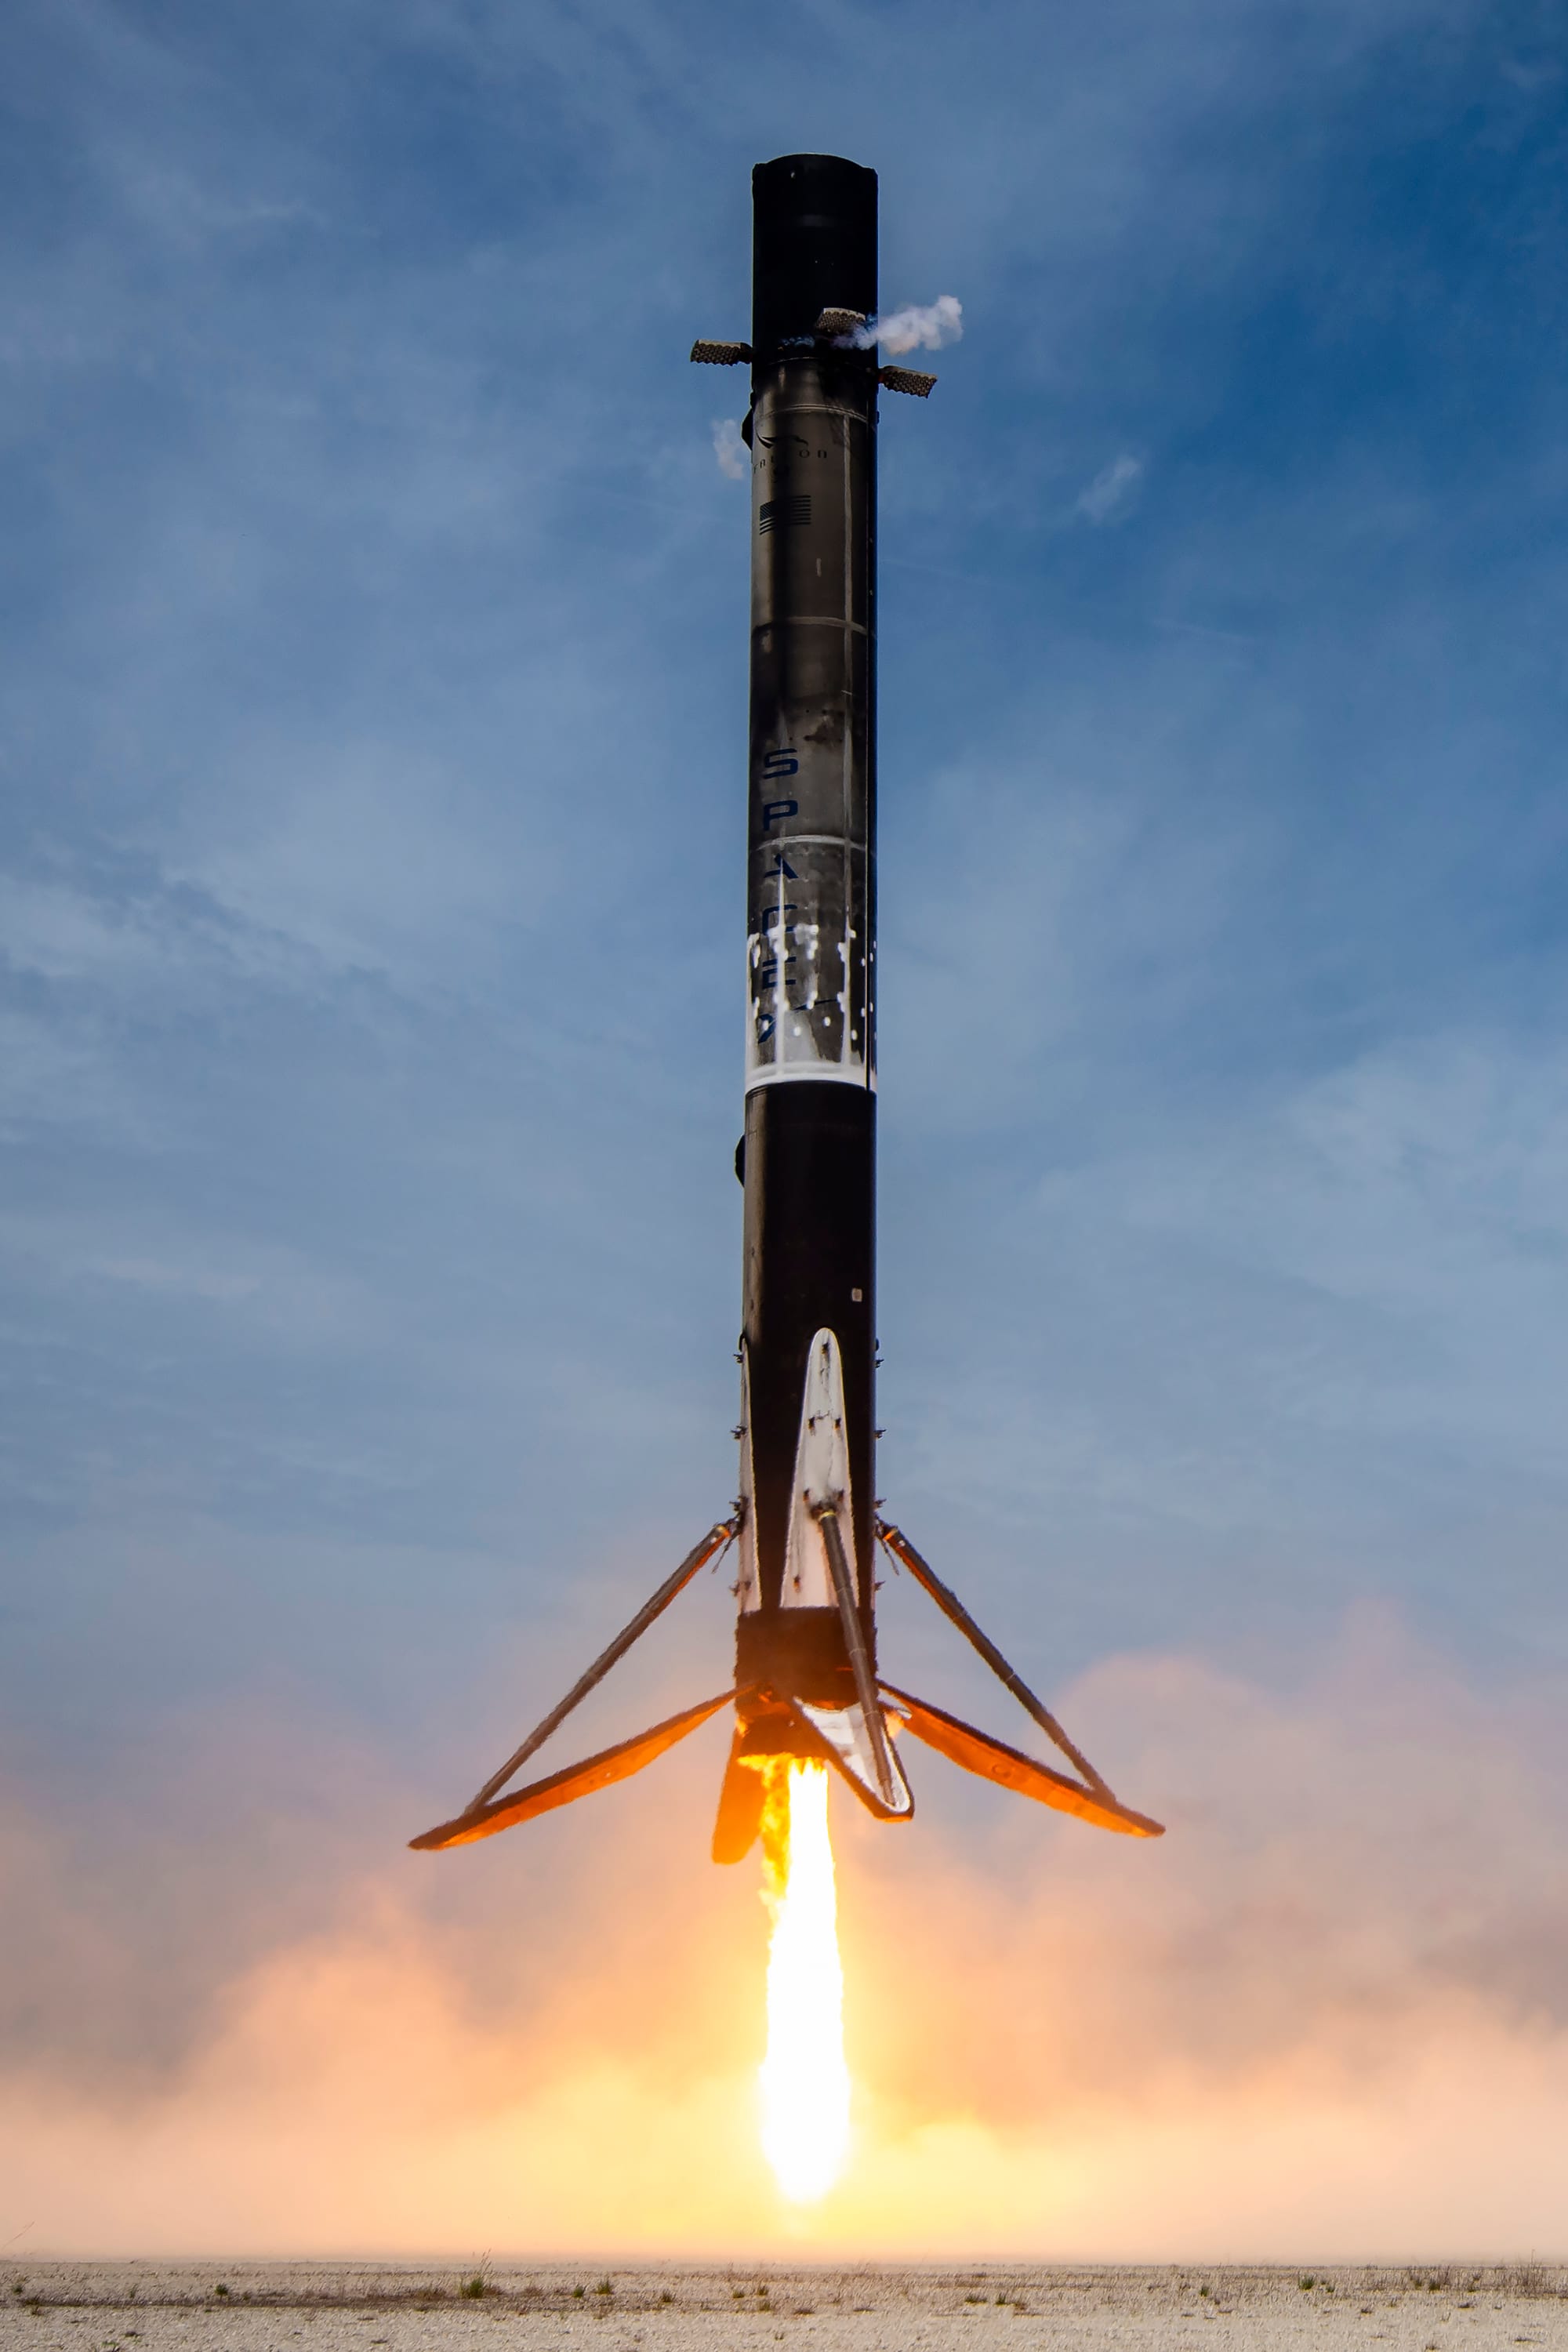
column 214, row 2307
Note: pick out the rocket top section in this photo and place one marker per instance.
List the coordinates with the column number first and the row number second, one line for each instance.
column 814, row 247
column 811, row 1011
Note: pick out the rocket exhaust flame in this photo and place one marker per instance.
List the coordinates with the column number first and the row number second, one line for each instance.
column 804, row 2080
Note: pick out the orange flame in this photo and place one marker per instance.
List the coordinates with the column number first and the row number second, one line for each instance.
column 804, row 2082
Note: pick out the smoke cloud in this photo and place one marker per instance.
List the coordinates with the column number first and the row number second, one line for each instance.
column 730, row 450
column 1327, row 2015
column 917, row 328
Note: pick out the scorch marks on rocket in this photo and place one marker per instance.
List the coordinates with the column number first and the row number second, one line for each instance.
column 812, row 725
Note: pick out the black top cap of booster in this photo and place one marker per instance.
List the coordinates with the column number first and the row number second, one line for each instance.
column 814, row 246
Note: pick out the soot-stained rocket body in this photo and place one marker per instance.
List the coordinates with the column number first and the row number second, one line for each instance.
column 806, row 1524
column 808, row 1156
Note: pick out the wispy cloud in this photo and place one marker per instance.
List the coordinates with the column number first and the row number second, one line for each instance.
column 730, row 450
column 1114, row 491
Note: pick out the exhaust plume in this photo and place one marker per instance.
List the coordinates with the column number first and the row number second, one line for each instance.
column 1326, row 2016
column 805, row 2083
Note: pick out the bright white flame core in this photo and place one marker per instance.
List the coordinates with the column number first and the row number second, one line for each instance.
column 804, row 2080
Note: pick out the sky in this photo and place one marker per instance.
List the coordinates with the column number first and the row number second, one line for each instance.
column 372, row 720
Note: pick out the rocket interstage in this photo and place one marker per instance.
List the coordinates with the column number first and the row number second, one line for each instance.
column 808, row 1685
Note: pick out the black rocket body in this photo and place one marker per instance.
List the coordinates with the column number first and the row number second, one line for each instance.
column 805, row 1522
column 808, row 1157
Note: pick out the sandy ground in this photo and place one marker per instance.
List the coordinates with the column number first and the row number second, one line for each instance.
column 349, row 2307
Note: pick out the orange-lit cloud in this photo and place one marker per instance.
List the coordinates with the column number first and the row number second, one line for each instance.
column 1328, row 2015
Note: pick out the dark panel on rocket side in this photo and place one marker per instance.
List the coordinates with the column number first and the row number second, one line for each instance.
column 810, row 1264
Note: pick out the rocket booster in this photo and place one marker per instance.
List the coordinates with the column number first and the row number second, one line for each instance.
column 805, row 1525
column 808, row 1155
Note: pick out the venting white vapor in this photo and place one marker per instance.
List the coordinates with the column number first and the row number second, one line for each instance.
column 730, row 450
column 919, row 327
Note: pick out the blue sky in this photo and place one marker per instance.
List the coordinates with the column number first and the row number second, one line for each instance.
column 372, row 720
